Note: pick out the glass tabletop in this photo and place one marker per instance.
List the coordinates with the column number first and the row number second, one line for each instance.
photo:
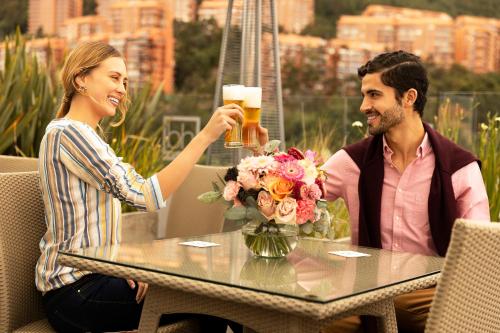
column 309, row 272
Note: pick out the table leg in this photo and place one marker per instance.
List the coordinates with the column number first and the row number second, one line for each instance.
column 150, row 317
column 163, row 301
column 383, row 311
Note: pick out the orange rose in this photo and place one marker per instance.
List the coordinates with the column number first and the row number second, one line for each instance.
column 280, row 188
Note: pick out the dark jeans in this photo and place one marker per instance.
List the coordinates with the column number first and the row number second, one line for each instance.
column 100, row 303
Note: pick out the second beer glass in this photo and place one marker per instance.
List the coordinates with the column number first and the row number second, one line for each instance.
column 251, row 116
column 233, row 93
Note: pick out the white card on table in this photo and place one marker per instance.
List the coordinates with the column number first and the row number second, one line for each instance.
column 349, row 254
column 199, row 244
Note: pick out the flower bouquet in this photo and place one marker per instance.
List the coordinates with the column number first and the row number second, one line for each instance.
column 280, row 194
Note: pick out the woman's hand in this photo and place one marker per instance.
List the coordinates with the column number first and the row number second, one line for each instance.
column 142, row 288
column 223, row 119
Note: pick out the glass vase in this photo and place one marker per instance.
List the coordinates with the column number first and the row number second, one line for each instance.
column 269, row 239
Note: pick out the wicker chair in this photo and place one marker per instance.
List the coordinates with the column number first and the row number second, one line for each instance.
column 186, row 215
column 17, row 164
column 22, row 224
column 468, row 292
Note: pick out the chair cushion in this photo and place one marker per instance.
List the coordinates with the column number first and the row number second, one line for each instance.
column 41, row 326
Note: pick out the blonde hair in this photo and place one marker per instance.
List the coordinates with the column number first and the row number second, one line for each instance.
column 81, row 61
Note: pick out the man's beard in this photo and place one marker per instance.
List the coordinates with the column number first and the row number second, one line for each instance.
column 387, row 120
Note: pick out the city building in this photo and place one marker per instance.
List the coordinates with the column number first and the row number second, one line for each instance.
column 295, row 15
column 48, row 16
column 49, row 51
column 346, row 56
column 427, row 34
column 85, row 28
column 478, row 43
column 184, row 10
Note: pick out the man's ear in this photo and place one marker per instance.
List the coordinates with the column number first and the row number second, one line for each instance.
column 410, row 97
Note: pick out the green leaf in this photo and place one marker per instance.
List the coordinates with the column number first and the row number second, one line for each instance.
column 210, row 197
column 322, row 203
column 271, row 146
column 236, row 213
column 254, row 214
column 250, row 201
column 216, row 187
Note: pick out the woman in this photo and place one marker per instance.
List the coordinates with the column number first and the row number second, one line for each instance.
column 83, row 182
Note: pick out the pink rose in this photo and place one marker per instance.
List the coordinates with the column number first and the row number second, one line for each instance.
column 248, row 180
column 231, row 190
column 305, row 211
column 285, row 211
column 266, row 204
column 311, row 192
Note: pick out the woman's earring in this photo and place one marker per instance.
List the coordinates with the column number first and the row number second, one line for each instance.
column 82, row 90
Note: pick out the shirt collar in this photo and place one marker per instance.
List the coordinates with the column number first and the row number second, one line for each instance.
column 422, row 150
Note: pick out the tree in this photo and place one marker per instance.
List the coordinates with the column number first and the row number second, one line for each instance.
column 14, row 13
column 197, row 47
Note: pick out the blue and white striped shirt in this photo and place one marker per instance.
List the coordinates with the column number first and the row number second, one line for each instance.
column 83, row 182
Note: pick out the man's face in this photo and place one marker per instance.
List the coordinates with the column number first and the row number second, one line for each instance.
column 382, row 109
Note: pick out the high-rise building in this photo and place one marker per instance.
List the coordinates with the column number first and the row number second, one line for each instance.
column 295, row 15
column 478, row 43
column 427, row 34
column 85, row 28
column 48, row 16
column 217, row 9
column 184, row 10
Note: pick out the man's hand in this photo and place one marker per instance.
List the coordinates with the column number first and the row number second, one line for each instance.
column 141, row 290
column 263, row 136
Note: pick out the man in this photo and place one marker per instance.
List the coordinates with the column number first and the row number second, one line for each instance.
column 406, row 184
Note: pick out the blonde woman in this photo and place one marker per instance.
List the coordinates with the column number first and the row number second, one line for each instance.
column 83, row 182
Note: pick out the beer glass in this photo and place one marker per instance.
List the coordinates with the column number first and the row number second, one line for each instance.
column 251, row 116
column 233, row 93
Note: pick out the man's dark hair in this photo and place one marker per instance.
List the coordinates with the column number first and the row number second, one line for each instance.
column 402, row 71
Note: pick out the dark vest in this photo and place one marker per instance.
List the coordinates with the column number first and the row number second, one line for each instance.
column 442, row 206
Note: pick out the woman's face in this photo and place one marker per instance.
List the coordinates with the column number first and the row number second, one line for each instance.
column 106, row 85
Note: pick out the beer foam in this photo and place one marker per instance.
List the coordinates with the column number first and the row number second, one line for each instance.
column 253, row 97
column 233, row 92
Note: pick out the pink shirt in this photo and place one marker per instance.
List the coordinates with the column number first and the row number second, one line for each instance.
column 404, row 219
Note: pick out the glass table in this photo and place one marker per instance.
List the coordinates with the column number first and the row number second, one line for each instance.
column 300, row 293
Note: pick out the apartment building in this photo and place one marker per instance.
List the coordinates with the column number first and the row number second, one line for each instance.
column 427, row 34
column 48, row 16
column 478, row 43
column 295, row 15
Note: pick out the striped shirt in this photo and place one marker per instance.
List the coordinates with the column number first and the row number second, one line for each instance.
column 82, row 183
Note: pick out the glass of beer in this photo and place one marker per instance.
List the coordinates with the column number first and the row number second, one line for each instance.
column 233, row 93
column 251, row 116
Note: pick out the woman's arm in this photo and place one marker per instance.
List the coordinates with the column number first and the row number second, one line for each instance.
column 174, row 174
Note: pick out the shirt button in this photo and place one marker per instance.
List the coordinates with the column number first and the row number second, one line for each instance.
column 397, row 218
column 399, row 190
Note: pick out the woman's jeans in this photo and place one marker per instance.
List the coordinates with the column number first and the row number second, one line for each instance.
column 100, row 303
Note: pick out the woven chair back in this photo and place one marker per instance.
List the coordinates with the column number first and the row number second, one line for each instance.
column 22, row 225
column 187, row 216
column 17, row 164
column 468, row 294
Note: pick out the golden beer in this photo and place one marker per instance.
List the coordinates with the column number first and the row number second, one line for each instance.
column 233, row 94
column 251, row 116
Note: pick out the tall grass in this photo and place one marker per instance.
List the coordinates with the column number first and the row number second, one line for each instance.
column 488, row 150
column 28, row 100
column 449, row 122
